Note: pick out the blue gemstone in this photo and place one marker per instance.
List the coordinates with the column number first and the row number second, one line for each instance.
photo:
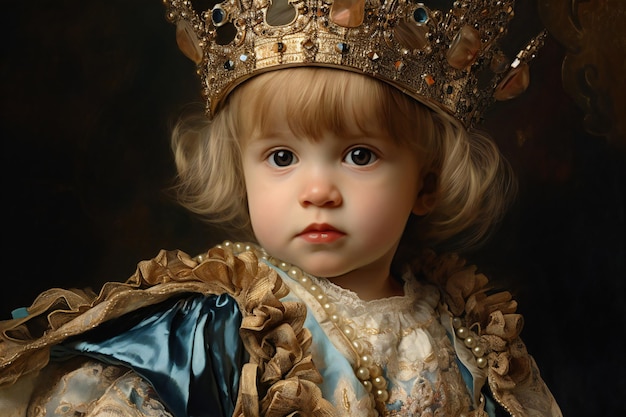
column 342, row 47
column 218, row 15
column 420, row 15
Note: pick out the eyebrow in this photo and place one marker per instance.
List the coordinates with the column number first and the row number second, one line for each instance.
column 272, row 134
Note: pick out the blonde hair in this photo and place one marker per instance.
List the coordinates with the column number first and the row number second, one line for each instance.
column 473, row 184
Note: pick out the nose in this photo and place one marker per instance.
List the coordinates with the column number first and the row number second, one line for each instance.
column 320, row 191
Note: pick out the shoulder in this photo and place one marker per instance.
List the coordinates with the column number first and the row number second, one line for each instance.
column 171, row 293
column 59, row 314
column 485, row 329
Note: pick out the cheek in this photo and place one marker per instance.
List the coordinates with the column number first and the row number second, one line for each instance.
column 388, row 208
column 386, row 220
column 263, row 198
column 264, row 209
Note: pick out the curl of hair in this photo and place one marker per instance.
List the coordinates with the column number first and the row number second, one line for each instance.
column 475, row 187
column 210, row 175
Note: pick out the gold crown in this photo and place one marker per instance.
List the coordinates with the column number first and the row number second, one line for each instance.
column 448, row 59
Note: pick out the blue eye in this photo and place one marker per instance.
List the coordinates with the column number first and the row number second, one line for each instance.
column 282, row 158
column 361, row 157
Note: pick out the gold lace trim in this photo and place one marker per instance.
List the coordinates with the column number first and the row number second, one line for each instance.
column 512, row 374
column 280, row 378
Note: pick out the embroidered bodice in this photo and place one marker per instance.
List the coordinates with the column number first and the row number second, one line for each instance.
column 403, row 335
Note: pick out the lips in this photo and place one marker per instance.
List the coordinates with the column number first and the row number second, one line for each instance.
column 321, row 233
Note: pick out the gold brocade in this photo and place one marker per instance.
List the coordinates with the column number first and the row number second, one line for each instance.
column 280, row 378
column 512, row 374
column 280, row 372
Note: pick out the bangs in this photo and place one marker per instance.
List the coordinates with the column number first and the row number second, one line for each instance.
column 319, row 100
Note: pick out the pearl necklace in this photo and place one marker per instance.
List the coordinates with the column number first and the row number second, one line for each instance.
column 367, row 371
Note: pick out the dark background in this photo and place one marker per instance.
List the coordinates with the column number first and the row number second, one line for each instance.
column 90, row 90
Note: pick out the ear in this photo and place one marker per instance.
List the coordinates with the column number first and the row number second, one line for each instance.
column 427, row 195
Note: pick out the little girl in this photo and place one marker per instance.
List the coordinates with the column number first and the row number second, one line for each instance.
column 346, row 186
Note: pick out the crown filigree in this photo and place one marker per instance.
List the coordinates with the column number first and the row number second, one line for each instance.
column 449, row 59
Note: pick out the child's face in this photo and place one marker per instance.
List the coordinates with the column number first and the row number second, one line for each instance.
column 333, row 205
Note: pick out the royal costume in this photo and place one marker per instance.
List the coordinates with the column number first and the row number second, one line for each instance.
column 235, row 332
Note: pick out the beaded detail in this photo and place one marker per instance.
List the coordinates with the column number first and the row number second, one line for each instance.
column 369, row 373
column 471, row 341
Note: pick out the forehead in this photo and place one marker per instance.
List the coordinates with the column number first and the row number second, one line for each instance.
column 310, row 102
column 287, row 121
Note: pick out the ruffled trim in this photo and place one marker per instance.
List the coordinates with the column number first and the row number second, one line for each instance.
column 512, row 374
column 280, row 372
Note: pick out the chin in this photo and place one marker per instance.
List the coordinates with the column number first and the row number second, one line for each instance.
column 322, row 264
column 327, row 271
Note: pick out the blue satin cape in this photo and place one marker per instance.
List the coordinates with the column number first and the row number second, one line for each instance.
column 189, row 349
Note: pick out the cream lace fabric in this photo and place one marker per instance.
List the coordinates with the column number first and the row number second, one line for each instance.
column 404, row 336
column 82, row 387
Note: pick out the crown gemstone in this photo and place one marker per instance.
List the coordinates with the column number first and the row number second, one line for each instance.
column 342, row 47
column 308, row 44
column 188, row 42
column 347, row 13
column 464, row 48
column 411, row 36
column 229, row 65
column 373, row 55
column 420, row 15
column 430, row 80
column 513, row 84
column 218, row 16
column 279, row 47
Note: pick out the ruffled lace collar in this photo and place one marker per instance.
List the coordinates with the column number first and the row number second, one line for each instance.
column 418, row 301
column 414, row 293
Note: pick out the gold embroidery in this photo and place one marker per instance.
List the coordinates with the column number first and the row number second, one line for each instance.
column 346, row 401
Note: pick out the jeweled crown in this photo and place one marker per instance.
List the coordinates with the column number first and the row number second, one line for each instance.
column 448, row 59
